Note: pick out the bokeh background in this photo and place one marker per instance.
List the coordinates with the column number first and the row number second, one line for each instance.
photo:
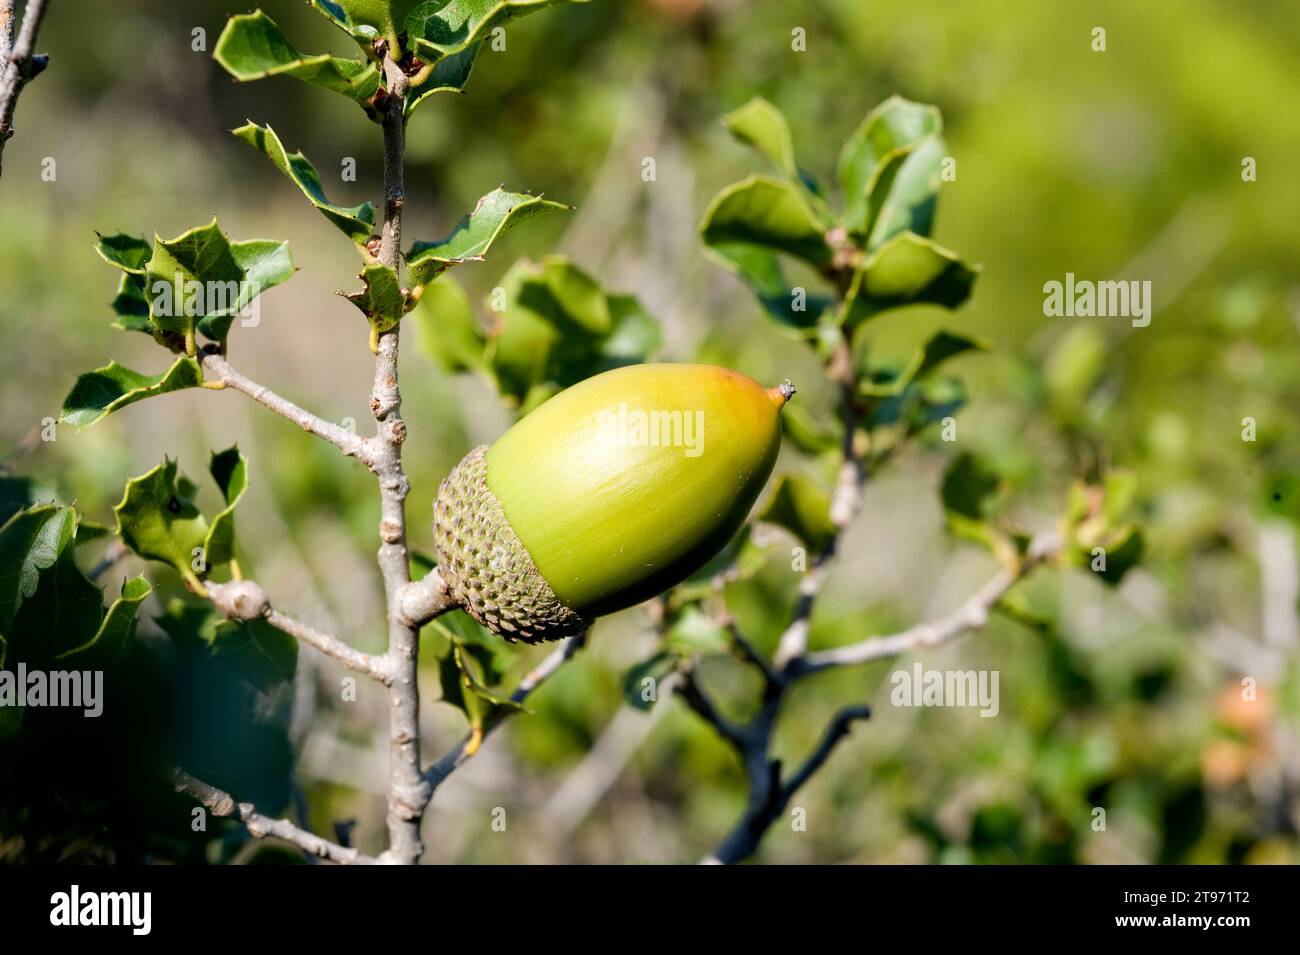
column 1122, row 164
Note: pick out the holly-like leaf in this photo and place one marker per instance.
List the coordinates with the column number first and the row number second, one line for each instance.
column 363, row 20
column 496, row 214
column 157, row 519
column 127, row 252
column 101, row 392
column 356, row 222
column 131, row 305
column 907, row 270
column 893, row 125
column 381, row 299
column 230, row 471
column 761, row 125
column 252, row 47
column 559, row 327
column 449, row 75
column 769, row 213
column 802, row 508
column 760, row 269
column 266, row 263
column 449, row 333
column 639, row 694
column 116, row 629
column 48, row 608
column 440, row 28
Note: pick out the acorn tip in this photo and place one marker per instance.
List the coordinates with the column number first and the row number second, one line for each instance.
column 782, row 393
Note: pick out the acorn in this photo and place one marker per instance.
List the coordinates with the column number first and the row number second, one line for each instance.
column 609, row 493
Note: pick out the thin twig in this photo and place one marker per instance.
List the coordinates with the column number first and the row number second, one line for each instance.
column 347, row 442
column 971, row 615
column 246, row 600
column 19, row 64
column 462, row 751
column 221, row 803
column 423, row 600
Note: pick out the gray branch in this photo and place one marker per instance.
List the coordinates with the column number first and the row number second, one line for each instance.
column 19, row 63
column 246, row 600
column 221, row 803
column 347, row 442
column 423, row 600
column 406, row 799
column 971, row 615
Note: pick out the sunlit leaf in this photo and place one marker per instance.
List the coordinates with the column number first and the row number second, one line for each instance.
column 907, row 270
column 769, row 213
column 101, row 392
column 252, row 47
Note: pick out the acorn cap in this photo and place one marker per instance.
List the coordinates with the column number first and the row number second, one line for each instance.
column 486, row 567
column 611, row 492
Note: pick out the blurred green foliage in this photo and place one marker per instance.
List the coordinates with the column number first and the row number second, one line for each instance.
column 1125, row 163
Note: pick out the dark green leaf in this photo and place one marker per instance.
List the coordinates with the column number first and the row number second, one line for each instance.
column 907, row 270
column 266, row 263
column 769, row 213
column 252, row 47
column 760, row 269
column 261, row 654
column 230, row 471
column 496, row 214
column 894, row 124
column 105, row 390
column 441, row 28
column 357, row 222
column 968, row 490
column 117, row 628
column 449, row 76
column 903, row 192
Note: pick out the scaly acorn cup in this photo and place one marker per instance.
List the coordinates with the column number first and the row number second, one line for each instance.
column 606, row 495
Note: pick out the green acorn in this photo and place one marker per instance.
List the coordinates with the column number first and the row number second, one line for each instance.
column 606, row 495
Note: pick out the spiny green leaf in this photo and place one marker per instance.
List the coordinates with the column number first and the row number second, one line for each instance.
column 802, row 508
column 893, row 124
column 105, row 390
column 441, row 28
column 449, row 334
column 907, row 270
column 230, row 470
column 769, row 213
column 355, row 19
column 266, row 263
column 116, row 629
column 157, row 519
column 127, row 252
column 760, row 269
column 357, row 222
column 496, row 213
column 381, row 300
column 252, row 47
column 48, row 608
column 761, row 125
column 131, row 305
column 449, row 75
